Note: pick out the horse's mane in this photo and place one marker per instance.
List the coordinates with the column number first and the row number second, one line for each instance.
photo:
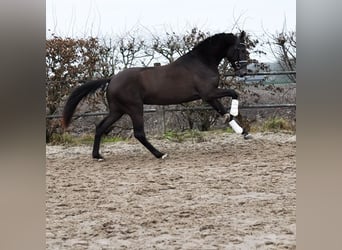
column 221, row 39
column 212, row 49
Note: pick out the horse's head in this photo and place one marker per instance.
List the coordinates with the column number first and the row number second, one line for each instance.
column 238, row 55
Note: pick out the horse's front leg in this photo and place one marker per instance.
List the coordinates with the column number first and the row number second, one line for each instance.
column 229, row 117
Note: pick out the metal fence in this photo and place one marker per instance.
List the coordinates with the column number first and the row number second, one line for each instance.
column 267, row 73
column 202, row 108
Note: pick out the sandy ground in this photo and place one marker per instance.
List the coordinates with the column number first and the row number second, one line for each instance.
column 222, row 193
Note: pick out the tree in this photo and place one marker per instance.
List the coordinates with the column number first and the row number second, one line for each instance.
column 70, row 61
column 173, row 46
column 283, row 47
column 131, row 51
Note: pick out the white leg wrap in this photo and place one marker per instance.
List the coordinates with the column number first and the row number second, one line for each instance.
column 235, row 127
column 234, row 108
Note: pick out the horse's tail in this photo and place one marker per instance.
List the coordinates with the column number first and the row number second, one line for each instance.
column 77, row 95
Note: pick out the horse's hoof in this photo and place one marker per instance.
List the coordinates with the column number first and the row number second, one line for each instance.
column 247, row 136
column 164, row 156
column 99, row 159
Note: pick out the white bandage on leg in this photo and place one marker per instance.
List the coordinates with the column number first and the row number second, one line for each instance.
column 235, row 127
column 234, row 108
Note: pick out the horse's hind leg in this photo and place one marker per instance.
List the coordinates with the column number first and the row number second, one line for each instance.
column 102, row 128
column 139, row 134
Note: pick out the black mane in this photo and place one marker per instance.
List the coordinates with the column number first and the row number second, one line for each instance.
column 214, row 48
column 223, row 39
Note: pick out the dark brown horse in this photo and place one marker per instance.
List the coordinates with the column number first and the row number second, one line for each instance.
column 192, row 76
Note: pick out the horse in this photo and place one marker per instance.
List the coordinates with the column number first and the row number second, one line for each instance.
column 191, row 77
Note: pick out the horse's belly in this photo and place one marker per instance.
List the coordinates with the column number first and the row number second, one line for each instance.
column 169, row 99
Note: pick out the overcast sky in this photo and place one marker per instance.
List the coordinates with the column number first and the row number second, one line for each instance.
column 107, row 17
column 80, row 18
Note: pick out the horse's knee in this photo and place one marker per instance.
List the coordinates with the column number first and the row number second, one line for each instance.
column 235, row 95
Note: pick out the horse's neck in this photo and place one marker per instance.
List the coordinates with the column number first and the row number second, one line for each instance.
column 211, row 60
column 190, row 60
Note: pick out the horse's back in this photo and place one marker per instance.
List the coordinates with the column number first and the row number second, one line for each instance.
column 174, row 83
column 125, row 79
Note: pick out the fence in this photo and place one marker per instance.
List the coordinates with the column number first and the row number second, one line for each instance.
column 201, row 108
column 163, row 110
column 205, row 108
column 267, row 73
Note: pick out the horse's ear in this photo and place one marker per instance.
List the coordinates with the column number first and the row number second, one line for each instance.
column 242, row 35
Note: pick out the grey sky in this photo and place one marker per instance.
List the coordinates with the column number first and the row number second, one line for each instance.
column 107, row 17
column 79, row 18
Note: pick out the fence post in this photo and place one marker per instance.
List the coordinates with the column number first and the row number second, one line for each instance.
column 157, row 64
column 164, row 121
